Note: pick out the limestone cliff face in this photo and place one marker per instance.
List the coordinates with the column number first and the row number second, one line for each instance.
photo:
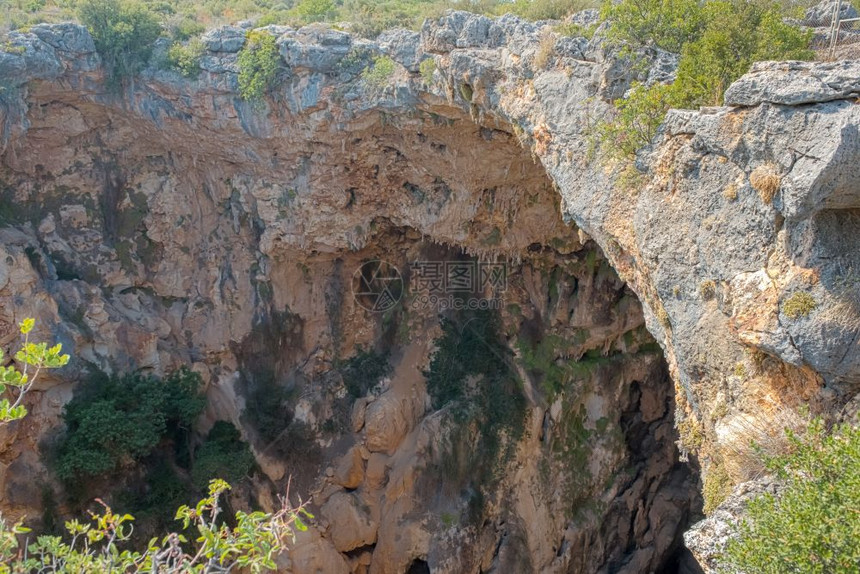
column 174, row 223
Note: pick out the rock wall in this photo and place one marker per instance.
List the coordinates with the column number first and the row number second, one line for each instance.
column 169, row 223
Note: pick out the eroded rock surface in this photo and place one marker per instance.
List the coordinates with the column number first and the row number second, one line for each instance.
column 174, row 223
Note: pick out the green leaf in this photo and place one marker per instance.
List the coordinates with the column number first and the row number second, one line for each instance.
column 27, row 325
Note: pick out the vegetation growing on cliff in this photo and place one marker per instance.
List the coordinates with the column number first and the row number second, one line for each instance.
column 16, row 382
column 471, row 375
column 258, row 65
column 114, row 420
column 185, row 57
column 813, row 523
column 363, row 370
column 136, row 432
column 379, row 74
column 718, row 40
column 205, row 543
column 124, row 32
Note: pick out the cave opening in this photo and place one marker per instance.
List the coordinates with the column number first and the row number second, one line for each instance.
column 399, row 319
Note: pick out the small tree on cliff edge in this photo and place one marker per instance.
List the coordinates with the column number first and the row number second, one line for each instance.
column 124, row 32
column 34, row 358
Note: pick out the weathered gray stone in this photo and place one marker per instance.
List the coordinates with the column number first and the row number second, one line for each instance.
column 821, row 14
column 403, row 46
column 225, row 39
column 796, row 83
column 317, row 48
column 707, row 539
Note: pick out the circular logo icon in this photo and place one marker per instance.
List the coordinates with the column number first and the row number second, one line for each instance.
column 377, row 286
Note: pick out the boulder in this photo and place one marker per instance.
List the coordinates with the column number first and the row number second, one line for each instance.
column 351, row 525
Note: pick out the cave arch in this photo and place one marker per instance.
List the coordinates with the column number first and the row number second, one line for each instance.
column 224, row 217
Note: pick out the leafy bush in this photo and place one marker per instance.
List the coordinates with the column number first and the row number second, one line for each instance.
column 223, row 455
column 735, row 35
column 308, row 11
column 258, row 65
column 124, row 32
column 718, row 41
column 268, row 408
column 378, row 75
column 813, row 524
column 666, row 24
column 252, row 545
column 184, row 27
column 635, row 121
column 363, row 370
column 34, row 357
column 185, row 58
column 115, row 420
column 427, row 68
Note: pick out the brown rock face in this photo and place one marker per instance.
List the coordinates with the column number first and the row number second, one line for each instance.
column 174, row 224
column 351, row 523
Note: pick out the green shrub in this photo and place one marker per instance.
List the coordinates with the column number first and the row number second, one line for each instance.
column 205, row 543
column 363, row 370
column 813, row 523
column 379, row 73
column 691, row 435
column 736, row 34
column 124, row 32
column 268, row 407
column 667, row 24
column 185, row 58
column 184, row 27
column 115, row 420
column 223, row 455
column 307, row 11
column 258, row 65
column 716, row 488
column 634, row 123
column 718, row 41
column 541, row 361
column 468, row 347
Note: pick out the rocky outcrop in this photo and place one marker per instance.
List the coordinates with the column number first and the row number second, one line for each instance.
column 166, row 224
column 707, row 539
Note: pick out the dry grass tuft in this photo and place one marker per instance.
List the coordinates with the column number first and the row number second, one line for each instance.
column 765, row 180
column 731, row 192
column 545, row 49
column 691, row 435
column 747, row 441
column 708, row 289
